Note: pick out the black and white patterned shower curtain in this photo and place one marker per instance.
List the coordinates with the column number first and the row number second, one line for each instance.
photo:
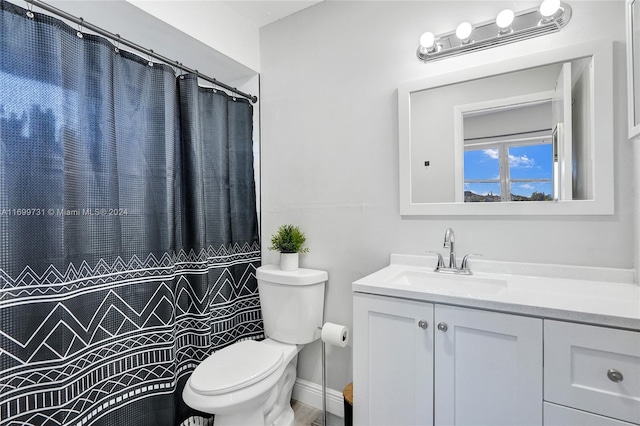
column 128, row 229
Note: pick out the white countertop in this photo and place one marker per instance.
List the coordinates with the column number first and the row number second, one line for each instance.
column 598, row 296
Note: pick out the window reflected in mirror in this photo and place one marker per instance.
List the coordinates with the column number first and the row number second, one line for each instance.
column 508, row 153
column 509, row 171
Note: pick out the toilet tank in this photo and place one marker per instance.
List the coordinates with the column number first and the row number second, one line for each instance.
column 292, row 303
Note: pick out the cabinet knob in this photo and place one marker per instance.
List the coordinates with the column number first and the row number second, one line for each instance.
column 614, row 375
column 423, row 324
column 443, row 327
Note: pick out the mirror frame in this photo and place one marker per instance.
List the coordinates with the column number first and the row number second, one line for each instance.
column 602, row 129
column 633, row 61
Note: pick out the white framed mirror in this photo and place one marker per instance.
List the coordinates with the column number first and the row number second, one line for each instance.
column 517, row 137
column 633, row 66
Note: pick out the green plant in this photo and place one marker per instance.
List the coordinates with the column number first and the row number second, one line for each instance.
column 288, row 239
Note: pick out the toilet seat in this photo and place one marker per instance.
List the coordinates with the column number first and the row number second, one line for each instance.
column 235, row 367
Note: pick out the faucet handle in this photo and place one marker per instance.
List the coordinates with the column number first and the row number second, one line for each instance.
column 440, row 259
column 465, row 262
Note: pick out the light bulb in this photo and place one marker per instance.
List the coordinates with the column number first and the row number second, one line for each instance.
column 548, row 8
column 427, row 41
column 505, row 19
column 463, row 32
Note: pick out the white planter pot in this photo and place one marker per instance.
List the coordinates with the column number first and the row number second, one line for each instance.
column 289, row 261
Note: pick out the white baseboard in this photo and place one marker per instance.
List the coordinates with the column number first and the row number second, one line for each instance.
column 311, row 394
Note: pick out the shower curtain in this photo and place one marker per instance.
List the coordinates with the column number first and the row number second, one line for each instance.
column 128, row 229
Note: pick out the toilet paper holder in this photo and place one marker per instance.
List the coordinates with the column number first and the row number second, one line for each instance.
column 336, row 335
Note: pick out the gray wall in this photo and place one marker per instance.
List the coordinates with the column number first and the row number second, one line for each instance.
column 330, row 147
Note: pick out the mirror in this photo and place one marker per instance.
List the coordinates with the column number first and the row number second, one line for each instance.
column 633, row 66
column 515, row 137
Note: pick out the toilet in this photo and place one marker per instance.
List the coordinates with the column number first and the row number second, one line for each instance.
column 250, row 382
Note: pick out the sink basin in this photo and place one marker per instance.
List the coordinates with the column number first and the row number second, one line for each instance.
column 450, row 284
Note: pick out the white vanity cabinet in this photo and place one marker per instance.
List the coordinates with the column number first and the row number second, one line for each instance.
column 531, row 344
column 393, row 374
column 478, row 367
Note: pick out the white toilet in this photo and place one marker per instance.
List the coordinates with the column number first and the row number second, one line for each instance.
column 249, row 382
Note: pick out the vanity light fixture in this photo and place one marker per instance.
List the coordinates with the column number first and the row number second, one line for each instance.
column 463, row 32
column 508, row 27
column 504, row 21
column 428, row 42
column 549, row 8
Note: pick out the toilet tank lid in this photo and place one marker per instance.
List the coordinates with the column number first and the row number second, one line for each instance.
column 274, row 274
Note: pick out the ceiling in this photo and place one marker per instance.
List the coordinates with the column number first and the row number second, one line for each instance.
column 263, row 12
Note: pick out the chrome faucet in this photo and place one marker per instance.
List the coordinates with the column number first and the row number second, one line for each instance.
column 449, row 242
column 449, row 239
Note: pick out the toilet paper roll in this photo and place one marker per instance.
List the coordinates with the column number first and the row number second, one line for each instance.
column 335, row 334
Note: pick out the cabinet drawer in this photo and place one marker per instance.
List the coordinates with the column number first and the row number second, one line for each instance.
column 595, row 369
column 557, row 415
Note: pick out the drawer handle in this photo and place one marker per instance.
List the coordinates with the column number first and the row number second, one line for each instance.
column 614, row 375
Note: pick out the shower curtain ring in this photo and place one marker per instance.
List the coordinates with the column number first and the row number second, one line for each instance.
column 150, row 62
column 117, row 48
column 30, row 14
column 181, row 70
column 79, row 32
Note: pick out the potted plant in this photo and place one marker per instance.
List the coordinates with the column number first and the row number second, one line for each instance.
column 289, row 241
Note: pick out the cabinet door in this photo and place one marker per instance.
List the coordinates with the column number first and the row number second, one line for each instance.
column 393, row 361
column 488, row 368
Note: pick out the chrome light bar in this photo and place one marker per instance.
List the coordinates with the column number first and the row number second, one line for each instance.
column 509, row 27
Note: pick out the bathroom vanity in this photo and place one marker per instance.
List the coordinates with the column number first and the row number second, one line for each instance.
column 511, row 344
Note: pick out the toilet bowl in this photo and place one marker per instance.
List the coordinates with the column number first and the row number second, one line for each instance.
column 250, row 382
column 247, row 383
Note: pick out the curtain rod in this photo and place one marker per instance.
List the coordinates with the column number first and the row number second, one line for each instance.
column 149, row 52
